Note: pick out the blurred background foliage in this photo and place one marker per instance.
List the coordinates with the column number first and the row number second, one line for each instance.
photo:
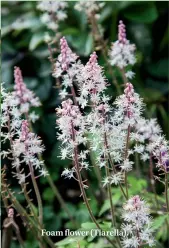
column 23, row 45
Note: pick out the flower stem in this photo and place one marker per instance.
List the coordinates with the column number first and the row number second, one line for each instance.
column 166, row 191
column 112, row 165
column 52, row 185
column 82, row 187
column 23, row 187
column 38, row 196
column 98, row 38
column 152, row 181
column 125, row 157
column 30, row 221
column 110, row 198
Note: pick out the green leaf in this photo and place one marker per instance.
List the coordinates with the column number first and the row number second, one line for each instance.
column 165, row 39
column 116, row 195
column 105, row 207
column 69, row 240
column 48, row 195
column 48, row 213
column 5, row 30
column 70, row 31
column 141, row 184
column 89, row 225
column 44, row 88
column 159, row 69
column 159, row 221
column 106, row 12
column 152, row 95
column 36, row 40
column 88, row 45
column 144, row 12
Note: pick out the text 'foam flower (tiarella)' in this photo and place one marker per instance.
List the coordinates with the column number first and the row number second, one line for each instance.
column 122, row 52
column 25, row 96
column 137, row 224
column 24, row 151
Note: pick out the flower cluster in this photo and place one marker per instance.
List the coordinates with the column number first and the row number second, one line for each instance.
column 89, row 7
column 24, row 145
column 137, row 224
column 153, row 143
column 24, row 150
column 54, row 12
column 68, row 67
column 122, row 52
column 129, row 107
column 93, row 83
column 106, row 126
column 10, row 118
column 66, row 58
column 71, row 132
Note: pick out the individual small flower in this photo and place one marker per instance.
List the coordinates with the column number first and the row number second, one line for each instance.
column 139, row 148
column 21, row 177
column 63, row 94
column 137, row 224
column 129, row 74
column 68, row 173
column 127, row 165
column 43, row 172
column 33, row 117
column 105, row 181
column 145, row 157
column 116, row 178
column 122, row 52
column 64, row 153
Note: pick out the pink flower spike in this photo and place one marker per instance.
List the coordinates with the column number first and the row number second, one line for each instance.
column 122, row 33
column 67, row 56
column 93, row 59
column 24, row 130
column 26, row 98
column 10, row 213
column 130, row 99
column 20, row 87
column 64, row 53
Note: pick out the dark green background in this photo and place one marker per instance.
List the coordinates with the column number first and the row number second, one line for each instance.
column 147, row 27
